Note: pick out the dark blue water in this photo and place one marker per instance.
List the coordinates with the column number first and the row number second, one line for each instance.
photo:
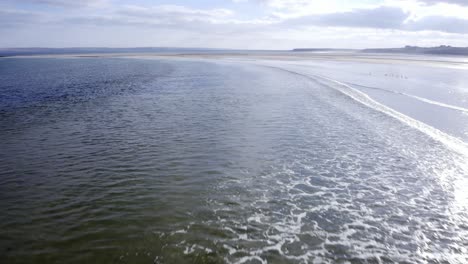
column 160, row 161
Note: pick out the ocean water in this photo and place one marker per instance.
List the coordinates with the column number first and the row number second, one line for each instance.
column 106, row 160
column 420, row 88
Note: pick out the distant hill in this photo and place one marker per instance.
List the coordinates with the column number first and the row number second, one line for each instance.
column 441, row 50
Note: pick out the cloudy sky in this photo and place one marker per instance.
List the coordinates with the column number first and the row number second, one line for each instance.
column 245, row 24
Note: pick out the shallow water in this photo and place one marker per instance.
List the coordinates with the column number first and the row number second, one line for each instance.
column 160, row 161
column 434, row 93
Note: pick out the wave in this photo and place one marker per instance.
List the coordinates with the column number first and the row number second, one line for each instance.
column 422, row 99
column 449, row 141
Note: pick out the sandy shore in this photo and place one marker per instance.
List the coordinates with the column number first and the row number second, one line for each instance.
column 436, row 61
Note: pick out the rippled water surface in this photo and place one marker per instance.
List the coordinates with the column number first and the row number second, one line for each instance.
column 160, row 161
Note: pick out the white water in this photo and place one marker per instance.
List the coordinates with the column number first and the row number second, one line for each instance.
column 450, row 141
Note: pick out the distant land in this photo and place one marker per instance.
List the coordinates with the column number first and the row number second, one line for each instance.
column 7, row 52
column 4, row 52
column 441, row 50
column 321, row 50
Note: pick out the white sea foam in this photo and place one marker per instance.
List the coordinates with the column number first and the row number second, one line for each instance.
column 450, row 141
column 422, row 99
column 453, row 143
column 282, row 213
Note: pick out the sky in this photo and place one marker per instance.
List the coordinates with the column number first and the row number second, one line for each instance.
column 235, row 24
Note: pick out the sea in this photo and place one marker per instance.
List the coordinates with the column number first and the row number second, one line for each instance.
column 233, row 160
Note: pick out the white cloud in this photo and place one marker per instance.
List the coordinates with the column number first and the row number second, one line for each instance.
column 419, row 10
column 456, row 2
column 283, row 24
column 175, row 12
column 66, row 3
column 380, row 17
column 297, row 8
column 14, row 18
column 439, row 23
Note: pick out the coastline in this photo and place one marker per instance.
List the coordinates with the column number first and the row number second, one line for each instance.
column 378, row 58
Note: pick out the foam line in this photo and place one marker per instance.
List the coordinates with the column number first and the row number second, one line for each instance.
column 449, row 106
column 451, row 142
